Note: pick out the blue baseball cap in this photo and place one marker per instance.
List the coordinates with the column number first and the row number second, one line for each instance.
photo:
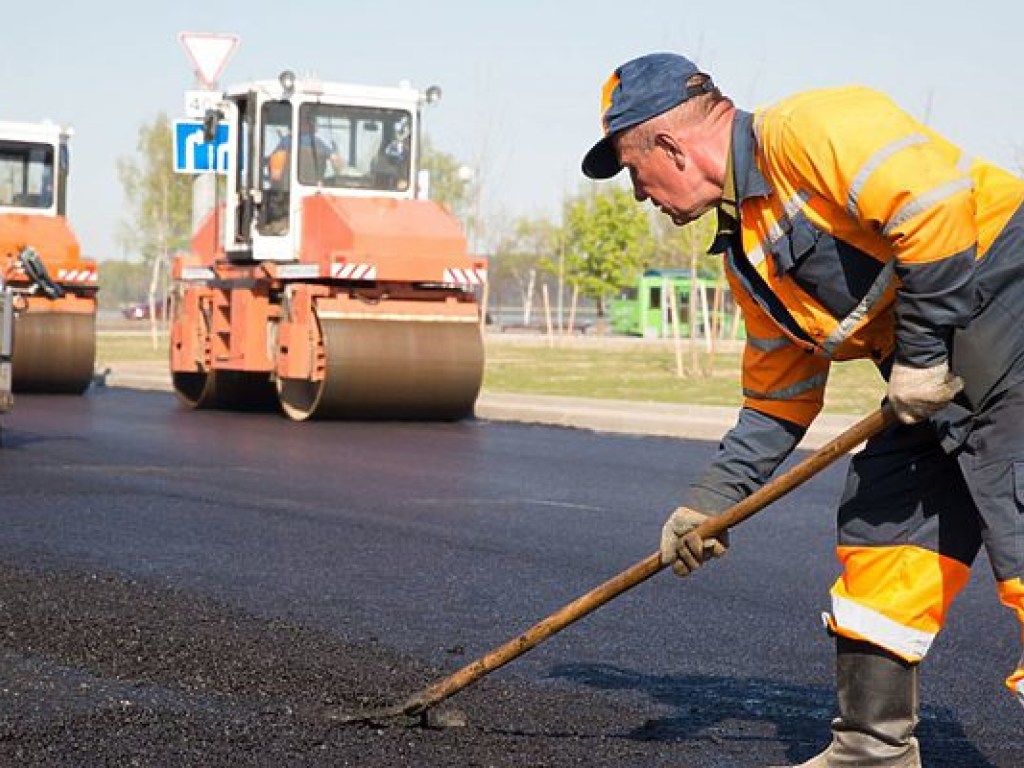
column 637, row 91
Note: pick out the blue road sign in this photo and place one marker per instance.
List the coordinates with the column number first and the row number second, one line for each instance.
column 194, row 155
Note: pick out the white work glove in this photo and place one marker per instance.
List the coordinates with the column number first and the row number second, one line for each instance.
column 917, row 393
column 684, row 549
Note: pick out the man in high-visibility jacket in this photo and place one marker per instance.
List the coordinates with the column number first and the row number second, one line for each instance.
column 850, row 230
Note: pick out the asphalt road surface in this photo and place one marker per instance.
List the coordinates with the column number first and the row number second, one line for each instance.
column 193, row 588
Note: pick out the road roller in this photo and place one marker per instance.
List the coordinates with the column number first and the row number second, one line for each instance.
column 54, row 288
column 322, row 281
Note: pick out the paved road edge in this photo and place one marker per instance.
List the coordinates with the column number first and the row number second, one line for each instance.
column 692, row 422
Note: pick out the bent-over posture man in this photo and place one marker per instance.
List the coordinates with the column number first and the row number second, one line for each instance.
column 851, row 230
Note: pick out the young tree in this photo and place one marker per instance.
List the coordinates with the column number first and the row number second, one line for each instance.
column 160, row 205
column 450, row 180
column 686, row 247
column 159, row 219
column 608, row 241
column 124, row 282
column 520, row 254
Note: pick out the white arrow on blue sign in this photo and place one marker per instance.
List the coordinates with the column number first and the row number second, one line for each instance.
column 192, row 154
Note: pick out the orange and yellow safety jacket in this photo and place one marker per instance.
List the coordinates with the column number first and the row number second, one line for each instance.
column 858, row 236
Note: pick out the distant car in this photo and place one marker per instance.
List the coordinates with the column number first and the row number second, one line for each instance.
column 140, row 311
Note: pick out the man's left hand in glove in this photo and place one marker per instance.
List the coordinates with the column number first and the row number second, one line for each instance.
column 917, row 393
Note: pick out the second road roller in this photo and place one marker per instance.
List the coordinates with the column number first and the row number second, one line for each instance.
column 321, row 278
column 52, row 285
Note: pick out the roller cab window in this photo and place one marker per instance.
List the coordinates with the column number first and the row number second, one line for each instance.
column 277, row 147
column 354, row 147
column 26, row 175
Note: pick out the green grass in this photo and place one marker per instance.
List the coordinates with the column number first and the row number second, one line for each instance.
column 116, row 347
column 648, row 372
column 622, row 374
column 614, row 369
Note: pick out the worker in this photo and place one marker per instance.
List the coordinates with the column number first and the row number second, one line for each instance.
column 277, row 189
column 390, row 166
column 316, row 156
column 278, row 163
column 848, row 229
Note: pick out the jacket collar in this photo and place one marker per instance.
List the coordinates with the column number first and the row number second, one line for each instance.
column 747, row 179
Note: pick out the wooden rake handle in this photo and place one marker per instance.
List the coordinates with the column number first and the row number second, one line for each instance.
column 867, row 427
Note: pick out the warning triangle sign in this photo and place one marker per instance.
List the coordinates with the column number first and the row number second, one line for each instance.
column 209, row 53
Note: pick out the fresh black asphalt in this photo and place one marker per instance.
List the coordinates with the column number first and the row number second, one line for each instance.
column 225, row 573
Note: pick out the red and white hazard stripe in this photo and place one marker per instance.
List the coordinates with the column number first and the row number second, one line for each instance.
column 77, row 275
column 354, row 271
column 465, row 276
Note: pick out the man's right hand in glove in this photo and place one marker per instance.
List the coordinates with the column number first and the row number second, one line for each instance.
column 683, row 549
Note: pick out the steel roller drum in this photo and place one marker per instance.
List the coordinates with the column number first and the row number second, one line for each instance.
column 54, row 352
column 229, row 390
column 391, row 369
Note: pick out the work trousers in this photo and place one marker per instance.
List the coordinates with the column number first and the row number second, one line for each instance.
column 913, row 517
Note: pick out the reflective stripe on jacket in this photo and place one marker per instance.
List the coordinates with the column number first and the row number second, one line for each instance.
column 859, row 229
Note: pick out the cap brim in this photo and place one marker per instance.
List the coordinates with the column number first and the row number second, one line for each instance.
column 601, row 162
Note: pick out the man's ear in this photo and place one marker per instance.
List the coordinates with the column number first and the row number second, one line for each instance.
column 676, row 151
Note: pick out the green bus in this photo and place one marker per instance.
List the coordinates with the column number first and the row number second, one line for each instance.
column 645, row 309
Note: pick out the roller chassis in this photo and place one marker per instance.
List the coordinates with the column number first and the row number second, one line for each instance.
column 246, row 341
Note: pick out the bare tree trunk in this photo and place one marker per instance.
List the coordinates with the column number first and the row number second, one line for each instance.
column 484, row 297
column 561, row 285
column 673, row 308
column 528, row 301
column 572, row 309
column 158, row 262
column 547, row 314
column 692, row 314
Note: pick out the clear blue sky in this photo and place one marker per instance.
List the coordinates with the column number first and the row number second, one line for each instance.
column 521, row 79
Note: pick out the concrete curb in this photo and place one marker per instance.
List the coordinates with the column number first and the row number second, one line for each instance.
column 692, row 422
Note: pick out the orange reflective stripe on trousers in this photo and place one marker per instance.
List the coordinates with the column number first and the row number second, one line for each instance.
column 896, row 597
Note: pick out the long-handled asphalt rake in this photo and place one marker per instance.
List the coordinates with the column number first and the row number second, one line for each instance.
column 419, row 703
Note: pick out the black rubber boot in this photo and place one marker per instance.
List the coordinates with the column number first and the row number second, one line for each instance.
column 878, row 704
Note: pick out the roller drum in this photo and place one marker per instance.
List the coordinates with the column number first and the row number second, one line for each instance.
column 391, row 369
column 54, row 352
column 228, row 390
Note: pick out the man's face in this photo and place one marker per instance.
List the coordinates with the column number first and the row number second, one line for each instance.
column 667, row 177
